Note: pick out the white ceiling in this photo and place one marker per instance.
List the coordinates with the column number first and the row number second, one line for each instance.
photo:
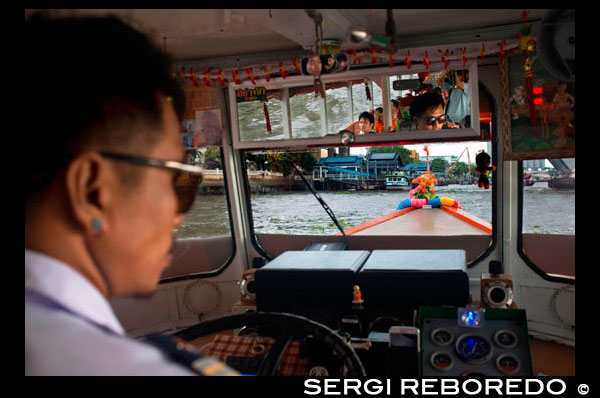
column 200, row 34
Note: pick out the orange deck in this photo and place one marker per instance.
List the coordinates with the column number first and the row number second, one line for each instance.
column 442, row 221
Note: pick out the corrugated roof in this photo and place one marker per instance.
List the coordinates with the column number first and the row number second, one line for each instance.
column 340, row 160
column 383, row 156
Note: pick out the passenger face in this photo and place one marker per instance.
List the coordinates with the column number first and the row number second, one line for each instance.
column 313, row 66
column 139, row 238
column 422, row 121
column 365, row 125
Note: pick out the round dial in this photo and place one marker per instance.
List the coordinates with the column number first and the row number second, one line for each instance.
column 506, row 339
column 474, row 349
column 442, row 337
column 441, row 361
column 508, row 364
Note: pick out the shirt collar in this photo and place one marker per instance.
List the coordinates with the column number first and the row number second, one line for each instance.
column 61, row 283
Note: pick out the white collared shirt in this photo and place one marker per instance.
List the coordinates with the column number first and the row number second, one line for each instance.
column 84, row 338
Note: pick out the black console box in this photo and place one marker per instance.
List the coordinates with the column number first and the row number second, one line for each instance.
column 407, row 279
column 315, row 284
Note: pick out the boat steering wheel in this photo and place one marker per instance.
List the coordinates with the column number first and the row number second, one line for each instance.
column 289, row 327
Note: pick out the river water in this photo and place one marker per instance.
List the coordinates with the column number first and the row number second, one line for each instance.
column 546, row 210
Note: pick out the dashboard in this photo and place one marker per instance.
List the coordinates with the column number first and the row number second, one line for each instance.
column 411, row 317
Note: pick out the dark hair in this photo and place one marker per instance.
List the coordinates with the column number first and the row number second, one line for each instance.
column 91, row 81
column 395, row 103
column 367, row 115
column 423, row 102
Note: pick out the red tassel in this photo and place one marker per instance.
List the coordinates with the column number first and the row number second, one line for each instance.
column 426, row 60
column 267, row 77
column 463, row 55
column 207, row 77
column 221, row 78
column 529, row 87
column 250, row 75
column 502, row 54
column 297, row 66
column 282, row 70
column 236, row 76
column 482, row 53
column 407, row 60
column 193, row 77
column 373, row 55
column 444, row 59
column 267, row 117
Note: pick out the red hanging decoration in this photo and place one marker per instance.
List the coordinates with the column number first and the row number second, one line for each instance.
column 527, row 48
column 236, row 76
column 221, row 78
column 193, row 77
column 426, row 60
column 373, row 52
column 482, row 53
column 444, row 59
column 502, row 53
column 267, row 77
column 267, row 119
column 297, row 66
column 463, row 55
column 282, row 70
column 250, row 75
column 355, row 58
column 207, row 77
column 391, row 59
column 407, row 60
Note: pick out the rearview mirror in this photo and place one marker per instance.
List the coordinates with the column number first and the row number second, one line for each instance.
column 408, row 84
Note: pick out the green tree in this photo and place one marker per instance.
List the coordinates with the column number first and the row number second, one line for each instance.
column 438, row 165
column 460, row 169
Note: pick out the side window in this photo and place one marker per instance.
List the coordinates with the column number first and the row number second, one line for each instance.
column 548, row 215
column 209, row 215
column 204, row 242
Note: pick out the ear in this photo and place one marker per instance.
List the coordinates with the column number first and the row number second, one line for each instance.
column 88, row 179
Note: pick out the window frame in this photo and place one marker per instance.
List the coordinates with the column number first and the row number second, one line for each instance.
column 520, row 248
column 225, row 265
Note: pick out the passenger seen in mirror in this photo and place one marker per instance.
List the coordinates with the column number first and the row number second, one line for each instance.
column 366, row 123
column 427, row 111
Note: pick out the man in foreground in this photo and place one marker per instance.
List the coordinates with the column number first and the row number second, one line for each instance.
column 101, row 202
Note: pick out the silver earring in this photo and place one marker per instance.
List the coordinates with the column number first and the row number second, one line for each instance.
column 96, row 224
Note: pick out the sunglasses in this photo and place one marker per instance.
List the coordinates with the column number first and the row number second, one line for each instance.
column 431, row 120
column 186, row 180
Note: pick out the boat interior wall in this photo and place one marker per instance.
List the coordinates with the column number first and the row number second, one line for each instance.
column 193, row 256
column 553, row 254
column 474, row 245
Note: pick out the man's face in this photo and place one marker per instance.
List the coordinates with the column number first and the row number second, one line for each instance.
column 365, row 125
column 313, row 66
column 140, row 238
column 422, row 121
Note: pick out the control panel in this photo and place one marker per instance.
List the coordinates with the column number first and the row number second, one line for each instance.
column 491, row 342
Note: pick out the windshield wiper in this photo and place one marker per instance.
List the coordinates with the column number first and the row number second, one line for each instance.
column 321, row 201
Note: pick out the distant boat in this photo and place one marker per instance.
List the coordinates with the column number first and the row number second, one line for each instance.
column 528, row 179
column 562, row 183
column 397, row 181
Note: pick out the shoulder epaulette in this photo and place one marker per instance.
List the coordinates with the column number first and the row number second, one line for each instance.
column 184, row 353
